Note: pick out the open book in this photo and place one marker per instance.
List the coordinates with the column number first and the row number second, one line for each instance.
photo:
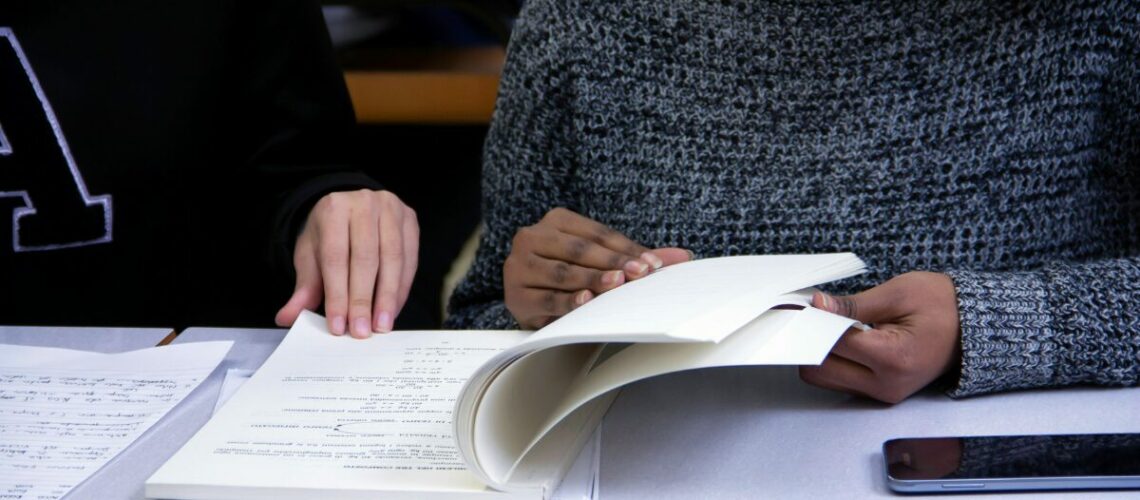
column 446, row 414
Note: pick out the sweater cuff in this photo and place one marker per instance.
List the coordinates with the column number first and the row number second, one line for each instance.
column 1008, row 339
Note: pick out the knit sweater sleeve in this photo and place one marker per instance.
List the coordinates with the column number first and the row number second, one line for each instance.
column 1073, row 321
column 1064, row 324
column 527, row 157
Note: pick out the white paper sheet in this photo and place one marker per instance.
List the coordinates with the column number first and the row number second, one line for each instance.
column 339, row 417
column 581, row 481
column 66, row 413
column 682, row 311
column 668, row 305
column 235, row 378
column 778, row 337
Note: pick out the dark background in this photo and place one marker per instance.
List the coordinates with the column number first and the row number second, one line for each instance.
column 433, row 168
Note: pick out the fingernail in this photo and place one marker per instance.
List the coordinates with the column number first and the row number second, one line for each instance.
column 636, row 267
column 653, row 260
column 827, row 306
column 338, row 325
column 360, row 328
column 692, row 256
column 583, row 297
column 612, row 278
column 383, row 322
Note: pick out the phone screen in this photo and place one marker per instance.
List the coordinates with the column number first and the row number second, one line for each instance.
column 1015, row 462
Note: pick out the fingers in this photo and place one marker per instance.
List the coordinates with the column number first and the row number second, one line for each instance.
column 552, row 243
column 569, row 222
column 548, row 305
column 671, row 255
column 538, row 290
column 364, row 262
column 391, row 229
column 333, row 253
column 839, row 374
column 589, row 236
column 358, row 251
column 842, row 374
column 865, row 347
column 861, row 361
column 411, row 258
column 915, row 339
column 869, row 363
column 567, row 236
column 308, row 292
column 559, row 275
column 880, row 303
column 566, row 253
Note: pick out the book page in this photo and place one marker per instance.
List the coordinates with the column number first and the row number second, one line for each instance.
column 778, row 337
column 65, row 413
column 339, row 417
column 583, row 478
column 703, row 300
column 696, row 303
column 516, row 405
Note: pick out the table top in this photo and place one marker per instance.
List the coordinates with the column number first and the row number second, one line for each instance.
column 752, row 432
column 727, row 432
column 84, row 338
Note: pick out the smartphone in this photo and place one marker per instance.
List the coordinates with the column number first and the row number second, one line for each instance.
column 1013, row 463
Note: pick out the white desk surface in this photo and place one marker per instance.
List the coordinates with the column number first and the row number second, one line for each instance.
column 758, row 432
column 722, row 433
column 98, row 339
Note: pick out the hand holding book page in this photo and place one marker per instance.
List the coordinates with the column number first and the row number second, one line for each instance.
column 566, row 259
column 916, row 338
column 525, row 405
column 392, row 417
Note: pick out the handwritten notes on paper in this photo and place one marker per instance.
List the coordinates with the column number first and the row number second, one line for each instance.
column 65, row 413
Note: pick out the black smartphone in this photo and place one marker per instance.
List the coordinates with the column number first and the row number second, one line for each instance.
column 1013, row 463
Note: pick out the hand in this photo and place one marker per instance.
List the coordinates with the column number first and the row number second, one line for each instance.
column 566, row 259
column 358, row 251
column 914, row 339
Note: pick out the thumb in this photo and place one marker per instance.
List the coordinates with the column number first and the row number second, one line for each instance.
column 869, row 306
column 307, row 294
column 672, row 255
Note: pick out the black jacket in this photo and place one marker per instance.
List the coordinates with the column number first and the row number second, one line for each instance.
column 158, row 158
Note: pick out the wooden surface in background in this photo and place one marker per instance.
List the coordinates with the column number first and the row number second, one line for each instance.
column 452, row 86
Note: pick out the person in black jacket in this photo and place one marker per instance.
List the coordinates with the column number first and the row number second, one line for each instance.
column 166, row 163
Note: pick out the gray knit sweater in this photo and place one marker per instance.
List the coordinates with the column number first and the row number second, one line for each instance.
column 995, row 142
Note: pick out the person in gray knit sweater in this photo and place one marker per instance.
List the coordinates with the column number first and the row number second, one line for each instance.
column 982, row 157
